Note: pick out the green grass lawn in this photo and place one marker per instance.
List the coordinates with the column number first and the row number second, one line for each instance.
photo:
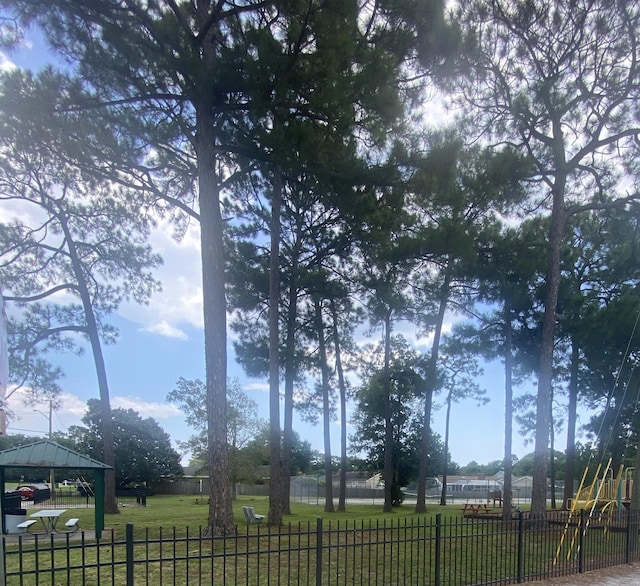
column 182, row 511
column 179, row 512
column 360, row 543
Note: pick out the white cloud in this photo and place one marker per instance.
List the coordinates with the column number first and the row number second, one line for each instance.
column 416, row 338
column 180, row 300
column 146, row 408
column 260, row 387
column 34, row 419
column 5, row 63
column 72, row 404
column 165, row 329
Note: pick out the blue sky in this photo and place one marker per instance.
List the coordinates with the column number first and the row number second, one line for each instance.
column 164, row 341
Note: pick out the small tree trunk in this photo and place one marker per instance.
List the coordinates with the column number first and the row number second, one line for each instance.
column 289, row 378
column 572, row 416
column 275, row 453
column 507, row 489
column 443, row 495
column 342, row 492
column 326, row 408
column 421, row 499
column 388, row 424
column 552, row 459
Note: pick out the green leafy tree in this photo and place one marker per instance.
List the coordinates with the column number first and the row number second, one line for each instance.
column 548, row 78
column 303, row 457
column 170, row 78
column 455, row 193
column 243, row 424
column 143, row 451
column 189, row 82
column 458, row 370
column 76, row 235
column 402, row 400
column 600, row 281
column 506, row 274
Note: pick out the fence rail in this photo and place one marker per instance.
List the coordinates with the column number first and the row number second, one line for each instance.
column 431, row 552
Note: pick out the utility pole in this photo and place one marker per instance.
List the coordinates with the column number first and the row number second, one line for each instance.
column 51, row 471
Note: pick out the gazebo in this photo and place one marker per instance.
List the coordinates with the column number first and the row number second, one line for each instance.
column 48, row 454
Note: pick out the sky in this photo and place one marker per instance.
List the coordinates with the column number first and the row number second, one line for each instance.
column 163, row 341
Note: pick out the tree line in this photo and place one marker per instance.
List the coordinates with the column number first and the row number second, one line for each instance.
column 332, row 197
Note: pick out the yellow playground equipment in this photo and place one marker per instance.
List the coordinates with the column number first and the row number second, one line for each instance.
column 607, row 494
column 603, row 501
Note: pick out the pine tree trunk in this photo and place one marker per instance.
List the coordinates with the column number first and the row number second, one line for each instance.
column 215, row 323
column 545, row 372
column 275, row 452
column 110, row 502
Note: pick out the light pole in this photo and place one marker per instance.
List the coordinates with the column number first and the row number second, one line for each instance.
column 51, row 470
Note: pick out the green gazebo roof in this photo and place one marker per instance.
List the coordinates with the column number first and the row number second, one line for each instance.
column 47, row 454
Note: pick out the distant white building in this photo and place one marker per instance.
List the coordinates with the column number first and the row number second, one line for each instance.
column 478, row 485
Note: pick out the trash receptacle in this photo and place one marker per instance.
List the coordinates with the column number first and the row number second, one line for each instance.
column 141, row 496
column 12, row 500
column 12, row 518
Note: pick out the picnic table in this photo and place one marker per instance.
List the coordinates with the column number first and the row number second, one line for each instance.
column 475, row 508
column 49, row 519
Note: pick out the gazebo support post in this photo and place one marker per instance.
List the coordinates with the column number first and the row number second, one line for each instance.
column 2, row 500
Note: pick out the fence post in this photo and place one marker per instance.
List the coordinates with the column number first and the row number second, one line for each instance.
column 581, row 538
column 438, row 546
column 633, row 536
column 129, row 553
column 319, row 552
column 3, row 570
column 520, row 552
column 627, row 549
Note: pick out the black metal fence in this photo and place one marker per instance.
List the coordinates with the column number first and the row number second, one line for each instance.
column 432, row 552
column 64, row 499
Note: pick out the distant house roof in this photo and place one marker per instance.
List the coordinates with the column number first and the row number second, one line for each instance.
column 47, row 454
column 470, row 478
column 195, row 471
column 525, row 480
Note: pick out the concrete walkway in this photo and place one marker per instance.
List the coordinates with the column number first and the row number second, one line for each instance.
column 615, row 576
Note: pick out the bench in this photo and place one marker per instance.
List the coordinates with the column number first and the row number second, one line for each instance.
column 250, row 516
column 26, row 524
column 496, row 496
column 72, row 525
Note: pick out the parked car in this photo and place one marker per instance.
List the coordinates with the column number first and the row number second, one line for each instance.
column 26, row 491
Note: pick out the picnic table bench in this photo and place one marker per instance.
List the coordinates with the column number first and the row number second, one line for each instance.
column 475, row 508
